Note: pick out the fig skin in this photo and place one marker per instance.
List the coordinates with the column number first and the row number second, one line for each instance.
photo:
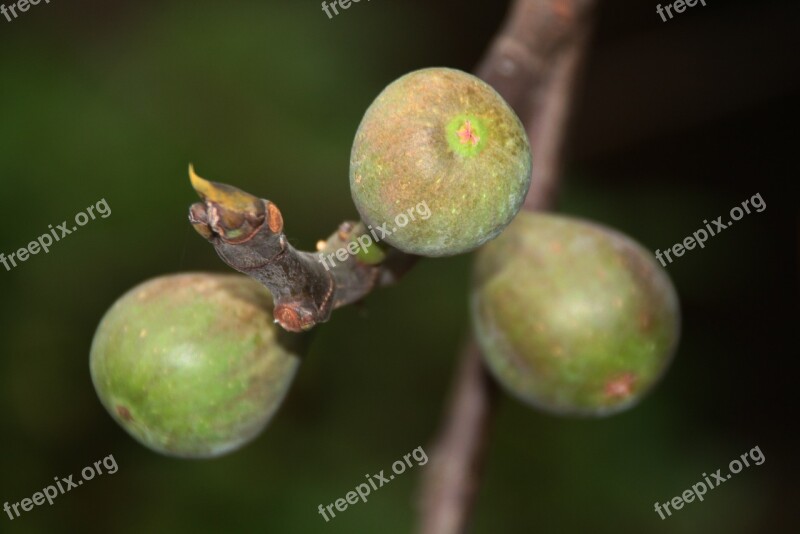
column 192, row 365
column 573, row 317
column 446, row 138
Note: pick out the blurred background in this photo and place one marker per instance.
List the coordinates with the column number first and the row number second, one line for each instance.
column 676, row 122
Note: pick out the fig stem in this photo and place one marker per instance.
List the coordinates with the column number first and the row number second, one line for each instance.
column 534, row 63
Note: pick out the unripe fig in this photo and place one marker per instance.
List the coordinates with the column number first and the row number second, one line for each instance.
column 573, row 317
column 192, row 365
column 444, row 138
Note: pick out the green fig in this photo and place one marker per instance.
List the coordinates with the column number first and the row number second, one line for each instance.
column 573, row 317
column 444, row 139
column 192, row 365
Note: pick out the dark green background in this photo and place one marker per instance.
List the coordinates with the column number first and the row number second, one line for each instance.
column 675, row 123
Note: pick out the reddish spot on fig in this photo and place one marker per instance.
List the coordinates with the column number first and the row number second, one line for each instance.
column 621, row 386
column 124, row 413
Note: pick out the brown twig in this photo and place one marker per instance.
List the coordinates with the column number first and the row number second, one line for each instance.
column 534, row 64
column 247, row 233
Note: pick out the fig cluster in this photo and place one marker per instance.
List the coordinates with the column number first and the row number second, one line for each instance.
column 572, row 317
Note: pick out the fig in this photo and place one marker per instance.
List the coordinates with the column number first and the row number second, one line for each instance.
column 444, row 138
column 573, row 317
column 192, row 365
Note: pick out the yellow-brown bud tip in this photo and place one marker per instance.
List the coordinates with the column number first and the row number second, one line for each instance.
column 226, row 196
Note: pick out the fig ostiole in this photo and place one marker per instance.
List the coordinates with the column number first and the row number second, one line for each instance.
column 192, row 365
